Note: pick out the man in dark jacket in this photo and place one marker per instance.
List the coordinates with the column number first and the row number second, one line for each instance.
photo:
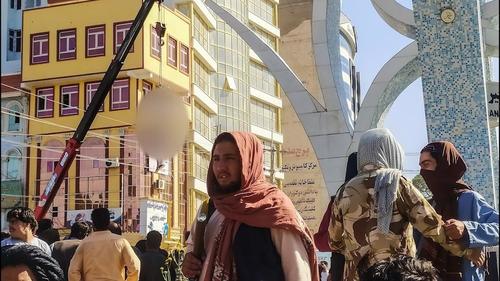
column 152, row 260
column 63, row 251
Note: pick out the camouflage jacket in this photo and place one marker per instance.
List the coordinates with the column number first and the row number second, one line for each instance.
column 353, row 228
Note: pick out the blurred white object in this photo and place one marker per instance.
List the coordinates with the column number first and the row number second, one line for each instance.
column 162, row 124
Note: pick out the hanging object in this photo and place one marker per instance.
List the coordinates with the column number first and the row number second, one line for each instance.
column 162, row 124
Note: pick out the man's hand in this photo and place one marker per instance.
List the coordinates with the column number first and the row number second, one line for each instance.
column 477, row 256
column 191, row 266
column 454, row 229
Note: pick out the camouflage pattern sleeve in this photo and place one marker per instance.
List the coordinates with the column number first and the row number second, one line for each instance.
column 336, row 227
column 424, row 218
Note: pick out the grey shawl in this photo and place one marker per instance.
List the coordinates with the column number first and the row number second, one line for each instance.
column 379, row 150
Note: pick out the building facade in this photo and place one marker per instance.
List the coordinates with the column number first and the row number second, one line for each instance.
column 63, row 60
column 232, row 89
column 14, row 104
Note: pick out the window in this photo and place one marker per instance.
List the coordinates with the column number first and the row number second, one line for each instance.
column 172, row 52
column 66, row 44
column 51, row 166
column 15, row 4
column 263, row 115
column 201, row 76
column 69, row 100
column 33, row 3
column 14, row 118
column 15, row 40
column 95, row 41
column 202, row 121
column 201, row 163
column 55, row 212
column 121, row 30
column 155, row 44
column 90, row 89
column 201, row 31
column 45, row 102
column 184, row 67
column 13, row 165
column 146, row 87
column 262, row 80
column 120, row 95
column 264, row 9
column 40, row 48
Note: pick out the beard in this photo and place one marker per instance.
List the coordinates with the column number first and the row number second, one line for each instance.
column 230, row 188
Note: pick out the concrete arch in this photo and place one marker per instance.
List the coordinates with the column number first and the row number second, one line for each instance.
column 396, row 74
column 397, row 16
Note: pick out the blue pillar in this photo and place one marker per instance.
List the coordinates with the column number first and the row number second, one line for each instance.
column 451, row 56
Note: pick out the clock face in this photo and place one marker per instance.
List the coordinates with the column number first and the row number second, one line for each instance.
column 448, row 15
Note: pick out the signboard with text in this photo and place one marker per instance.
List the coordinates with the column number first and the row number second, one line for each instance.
column 153, row 216
column 492, row 99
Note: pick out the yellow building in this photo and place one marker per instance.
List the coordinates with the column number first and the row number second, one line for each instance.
column 67, row 48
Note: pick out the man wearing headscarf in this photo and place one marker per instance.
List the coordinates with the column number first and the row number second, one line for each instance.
column 255, row 232
column 372, row 216
column 469, row 219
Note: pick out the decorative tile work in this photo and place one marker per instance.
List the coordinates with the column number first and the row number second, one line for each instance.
column 454, row 84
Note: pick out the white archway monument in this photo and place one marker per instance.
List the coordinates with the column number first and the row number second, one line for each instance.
column 326, row 125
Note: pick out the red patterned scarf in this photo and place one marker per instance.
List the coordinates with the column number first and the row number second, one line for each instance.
column 258, row 203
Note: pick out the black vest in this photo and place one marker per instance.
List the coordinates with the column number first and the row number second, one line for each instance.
column 255, row 256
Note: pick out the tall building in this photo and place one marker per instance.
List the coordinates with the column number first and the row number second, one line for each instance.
column 301, row 33
column 14, row 103
column 232, row 89
column 63, row 60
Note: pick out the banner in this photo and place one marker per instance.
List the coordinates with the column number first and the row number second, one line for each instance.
column 84, row 215
column 153, row 216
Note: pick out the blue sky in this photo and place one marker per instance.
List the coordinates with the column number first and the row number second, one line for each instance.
column 377, row 43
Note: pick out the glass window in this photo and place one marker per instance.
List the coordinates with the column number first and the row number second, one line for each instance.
column 202, row 121
column 14, row 118
column 15, row 40
column 120, row 95
column 90, row 90
column 263, row 115
column 15, row 4
column 95, row 40
column 201, row 76
column 13, row 165
column 201, row 163
column 69, row 100
column 172, row 52
column 201, row 31
column 264, row 9
column 262, row 80
column 184, row 66
column 266, row 37
column 45, row 102
column 66, row 44
column 120, row 32
column 146, row 87
column 155, row 44
column 270, row 152
column 40, row 48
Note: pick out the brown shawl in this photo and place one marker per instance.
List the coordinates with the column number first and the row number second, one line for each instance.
column 258, row 203
column 446, row 185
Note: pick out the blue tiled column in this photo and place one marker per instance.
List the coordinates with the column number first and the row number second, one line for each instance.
column 454, row 84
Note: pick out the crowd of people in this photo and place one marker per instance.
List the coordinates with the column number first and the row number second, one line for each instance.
column 381, row 227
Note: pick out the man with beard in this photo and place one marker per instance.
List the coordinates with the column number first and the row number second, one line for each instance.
column 469, row 219
column 255, row 233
